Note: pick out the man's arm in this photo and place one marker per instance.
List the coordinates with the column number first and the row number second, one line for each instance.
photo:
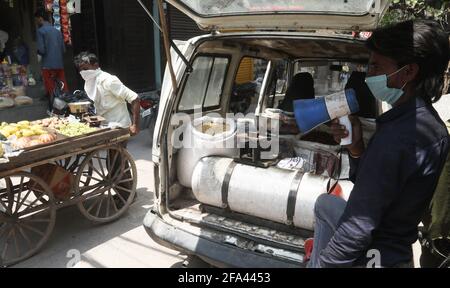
column 123, row 92
column 41, row 43
column 136, row 110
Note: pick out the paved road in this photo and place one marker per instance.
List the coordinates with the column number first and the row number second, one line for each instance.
column 120, row 244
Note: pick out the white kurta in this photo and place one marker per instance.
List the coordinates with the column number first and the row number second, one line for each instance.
column 111, row 99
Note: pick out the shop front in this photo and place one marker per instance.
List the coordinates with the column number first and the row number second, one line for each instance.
column 21, row 88
column 128, row 48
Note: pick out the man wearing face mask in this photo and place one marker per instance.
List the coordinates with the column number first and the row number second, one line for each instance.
column 109, row 94
column 397, row 172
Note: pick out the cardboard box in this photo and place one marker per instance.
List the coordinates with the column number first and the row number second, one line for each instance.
column 57, row 178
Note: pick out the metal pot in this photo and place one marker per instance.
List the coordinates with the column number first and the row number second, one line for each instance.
column 79, row 107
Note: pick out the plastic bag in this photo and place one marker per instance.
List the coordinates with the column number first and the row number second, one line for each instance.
column 6, row 102
column 23, row 100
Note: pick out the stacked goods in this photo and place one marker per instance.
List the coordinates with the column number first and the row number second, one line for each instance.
column 65, row 22
column 75, row 129
column 13, row 83
column 25, row 134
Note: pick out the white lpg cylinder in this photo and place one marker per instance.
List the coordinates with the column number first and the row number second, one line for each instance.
column 197, row 145
column 258, row 192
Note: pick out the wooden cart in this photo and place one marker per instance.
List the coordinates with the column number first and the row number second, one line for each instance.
column 104, row 186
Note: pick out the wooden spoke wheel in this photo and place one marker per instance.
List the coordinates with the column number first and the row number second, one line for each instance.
column 27, row 217
column 71, row 164
column 106, row 184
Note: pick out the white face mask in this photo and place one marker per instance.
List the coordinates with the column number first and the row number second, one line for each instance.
column 90, row 85
column 89, row 74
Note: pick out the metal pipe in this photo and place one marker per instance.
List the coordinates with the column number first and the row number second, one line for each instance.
column 167, row 46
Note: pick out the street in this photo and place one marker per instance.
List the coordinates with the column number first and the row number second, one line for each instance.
column 121, row 244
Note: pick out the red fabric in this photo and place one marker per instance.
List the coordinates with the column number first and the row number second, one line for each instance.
column 49, row 75
column 338, row 191
column 309, row 244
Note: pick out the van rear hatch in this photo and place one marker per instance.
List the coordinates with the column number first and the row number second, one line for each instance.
column 284, row 15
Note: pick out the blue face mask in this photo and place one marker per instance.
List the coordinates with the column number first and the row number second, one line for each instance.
column 380, row 90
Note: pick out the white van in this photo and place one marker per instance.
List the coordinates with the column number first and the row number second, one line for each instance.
column 252, row 205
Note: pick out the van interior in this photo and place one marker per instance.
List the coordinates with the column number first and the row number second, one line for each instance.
column 261, row 75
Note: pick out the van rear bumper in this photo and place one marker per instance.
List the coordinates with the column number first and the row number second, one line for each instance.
column 217, row 254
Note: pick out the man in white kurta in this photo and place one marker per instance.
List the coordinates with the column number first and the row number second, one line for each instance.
column 110, row 97
column 109, row 94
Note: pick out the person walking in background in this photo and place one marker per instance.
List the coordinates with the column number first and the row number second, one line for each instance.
column 50, row 46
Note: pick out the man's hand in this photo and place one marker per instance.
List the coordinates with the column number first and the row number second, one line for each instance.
column 136, row 108
column 340, row 132
column 134, row 130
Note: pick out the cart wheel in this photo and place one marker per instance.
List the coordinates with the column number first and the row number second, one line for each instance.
column 108, row 190
column 27, row 217
column 71, row 164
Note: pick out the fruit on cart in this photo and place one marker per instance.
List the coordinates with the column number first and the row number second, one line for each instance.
column 52, row 123
column 24, row 123
column 8, row 130
column 21, row 143
column 75, row 129
column 27, row 133
column 47, row 138
column 31, row 141
column 21, row 129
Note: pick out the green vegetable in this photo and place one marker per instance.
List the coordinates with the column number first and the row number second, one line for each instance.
column 75, row 129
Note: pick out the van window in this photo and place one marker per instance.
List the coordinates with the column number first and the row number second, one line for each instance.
column 204, row 86
column 277, row 84
column 247, row 85
column 329, row 77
